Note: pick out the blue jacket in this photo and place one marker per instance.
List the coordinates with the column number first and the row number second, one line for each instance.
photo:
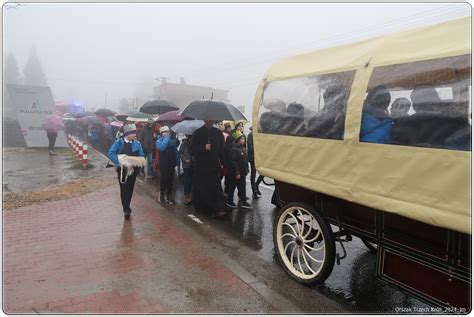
column 164, row 143
column 117, row 148
column 374, row 130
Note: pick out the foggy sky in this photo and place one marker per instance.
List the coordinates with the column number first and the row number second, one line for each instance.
column 88, row 50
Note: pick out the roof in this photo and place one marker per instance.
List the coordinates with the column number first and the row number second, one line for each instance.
column 185, row 86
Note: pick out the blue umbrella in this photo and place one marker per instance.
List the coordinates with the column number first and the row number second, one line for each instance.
column 187, row 126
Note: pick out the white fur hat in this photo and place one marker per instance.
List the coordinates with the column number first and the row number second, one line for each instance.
column 164, row 128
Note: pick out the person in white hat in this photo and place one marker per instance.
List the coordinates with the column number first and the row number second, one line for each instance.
column 128, row 145
column 168, row 156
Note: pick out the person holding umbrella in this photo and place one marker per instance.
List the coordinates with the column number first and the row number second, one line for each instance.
column 52, row 125
column 208, row 148
column 207, row 145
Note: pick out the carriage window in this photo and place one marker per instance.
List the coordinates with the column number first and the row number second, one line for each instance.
column 423, row 104
column 310, row 106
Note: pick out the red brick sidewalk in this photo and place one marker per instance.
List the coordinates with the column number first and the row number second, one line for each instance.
column 79, row 255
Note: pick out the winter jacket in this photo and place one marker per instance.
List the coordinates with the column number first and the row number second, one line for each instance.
column 430, row 129
column 168, row 157
column 117, row 148
column 272, row 122
column 240, row 163
column 374, row 130
column 185, row 153
column 228, row 145
column 147, row 139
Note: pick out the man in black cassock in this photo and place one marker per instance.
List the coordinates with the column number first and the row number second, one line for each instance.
column 207, row 146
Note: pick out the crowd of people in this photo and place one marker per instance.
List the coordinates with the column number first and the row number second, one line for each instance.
column 215, row 161
column 434, row 123
column 422, row 119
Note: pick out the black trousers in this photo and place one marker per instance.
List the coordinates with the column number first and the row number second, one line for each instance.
column 52, row 140
column 253, row 174
column 126, row 189
column 166, row 179
column 227, row 182
column 241, row 187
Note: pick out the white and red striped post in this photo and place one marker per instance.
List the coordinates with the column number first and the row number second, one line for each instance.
column 79, row 148
column 84, row 156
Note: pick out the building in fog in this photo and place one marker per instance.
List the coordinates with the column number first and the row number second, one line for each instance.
column 182, row 94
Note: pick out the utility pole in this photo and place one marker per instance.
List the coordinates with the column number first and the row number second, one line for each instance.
column 163, row 86
column 105, row 102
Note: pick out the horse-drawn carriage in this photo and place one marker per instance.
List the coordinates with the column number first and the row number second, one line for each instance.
column 373, row 140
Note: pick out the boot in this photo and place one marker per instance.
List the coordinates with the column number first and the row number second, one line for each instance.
column 169, row 199
column 187, row 199
column 161, row 197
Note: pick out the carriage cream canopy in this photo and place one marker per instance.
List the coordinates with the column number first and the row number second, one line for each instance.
column 431, row 185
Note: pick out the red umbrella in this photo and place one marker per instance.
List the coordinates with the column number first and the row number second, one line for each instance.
column 53, row 123
column 170, row 116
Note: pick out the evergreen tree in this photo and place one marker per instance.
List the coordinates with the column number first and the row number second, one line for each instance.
column 33, row 71
column 12, row 72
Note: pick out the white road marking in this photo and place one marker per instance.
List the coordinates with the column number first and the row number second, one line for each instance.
column 196, row 219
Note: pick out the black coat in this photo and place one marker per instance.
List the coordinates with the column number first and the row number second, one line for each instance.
column 167, row 158
column 425, row 130
column 207, row 190
column 250, row 149
column 146, row 139
column 240, row 162
column 208, row 161
column 272, row 122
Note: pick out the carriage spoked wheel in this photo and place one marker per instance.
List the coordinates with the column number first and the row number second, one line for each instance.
column 304, row 243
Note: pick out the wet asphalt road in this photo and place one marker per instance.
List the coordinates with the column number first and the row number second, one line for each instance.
column 247, row 236
column 28, row 169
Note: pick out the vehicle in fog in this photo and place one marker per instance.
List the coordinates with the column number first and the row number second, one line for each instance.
column 373, row 139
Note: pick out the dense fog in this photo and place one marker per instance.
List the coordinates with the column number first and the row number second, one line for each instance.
column 98, row 55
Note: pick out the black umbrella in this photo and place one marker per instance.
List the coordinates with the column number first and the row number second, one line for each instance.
column 158, row 106
column 212, row 110
column 83, row 114
column 104, row 112
column 121, row 117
